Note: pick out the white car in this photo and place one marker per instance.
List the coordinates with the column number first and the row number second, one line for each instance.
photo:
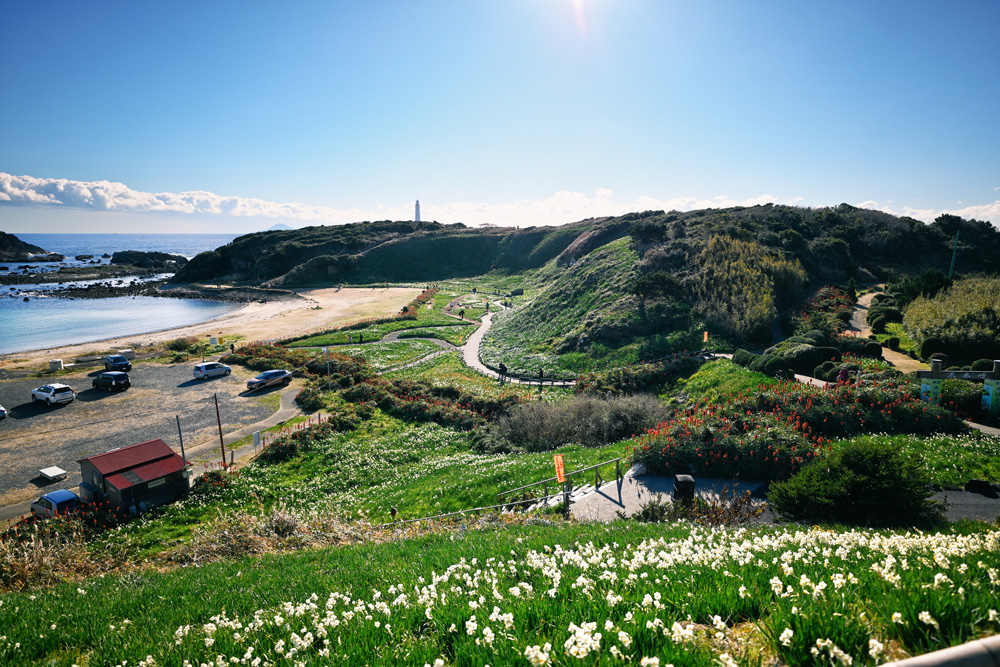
column 211, row 369
column 50, row 394
column 3, row 413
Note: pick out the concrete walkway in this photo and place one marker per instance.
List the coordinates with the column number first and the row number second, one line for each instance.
column 470, row 355
column 630, row 493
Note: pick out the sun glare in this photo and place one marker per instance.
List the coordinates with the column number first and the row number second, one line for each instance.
column 581, row 19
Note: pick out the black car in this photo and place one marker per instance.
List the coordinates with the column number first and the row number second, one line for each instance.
column 117, row 362
column 112, row 381
column 269, row 378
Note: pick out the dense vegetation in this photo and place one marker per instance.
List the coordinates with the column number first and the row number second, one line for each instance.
column 963, row 319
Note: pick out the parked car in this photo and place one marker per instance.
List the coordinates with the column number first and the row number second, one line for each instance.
column 56, row 502
column 210, row 369
column 112, row 381
column 53, row 393
column 117, row 362
column 269, row 378
column 3, row 413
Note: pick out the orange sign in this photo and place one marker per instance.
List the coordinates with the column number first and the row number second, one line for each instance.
column 560, row 469
column 706, row 336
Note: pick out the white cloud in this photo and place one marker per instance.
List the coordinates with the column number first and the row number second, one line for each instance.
column 989, row 212
column 559, row 208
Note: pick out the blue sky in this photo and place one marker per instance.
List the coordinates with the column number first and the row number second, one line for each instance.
column 231, row 116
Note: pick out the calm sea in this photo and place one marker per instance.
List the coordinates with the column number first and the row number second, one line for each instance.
column 47, row 322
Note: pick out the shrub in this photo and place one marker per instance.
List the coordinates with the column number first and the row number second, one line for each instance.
column 638, row 379
column 777, row 367
column 586, row 420
column 865, row 482
column 962, row 396
column 873, row 349
column 892, row 315
column 982, row 365
column 180, row 344
column 743, row 358
column 878, row 325
column 893, row 343
column 930, row 346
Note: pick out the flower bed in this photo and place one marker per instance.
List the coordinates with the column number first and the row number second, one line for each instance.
column 770, row 434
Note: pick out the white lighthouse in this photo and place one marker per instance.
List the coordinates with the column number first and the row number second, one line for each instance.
column 416, row 215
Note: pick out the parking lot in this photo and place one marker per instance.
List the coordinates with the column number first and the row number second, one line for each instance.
column 37, row 436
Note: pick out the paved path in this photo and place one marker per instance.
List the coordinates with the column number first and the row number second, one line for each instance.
column 470, row 355
column 204, row 456
column 859, row 324
column 630, row 493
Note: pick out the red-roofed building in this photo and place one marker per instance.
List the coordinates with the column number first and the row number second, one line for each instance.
column 135, row 478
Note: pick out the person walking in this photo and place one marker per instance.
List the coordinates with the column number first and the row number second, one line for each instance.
column 503, row 371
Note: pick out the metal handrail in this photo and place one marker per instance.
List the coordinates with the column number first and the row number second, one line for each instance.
column 569, row 474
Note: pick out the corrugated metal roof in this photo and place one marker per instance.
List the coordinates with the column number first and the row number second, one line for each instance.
column 126, row 458
column 146, row 473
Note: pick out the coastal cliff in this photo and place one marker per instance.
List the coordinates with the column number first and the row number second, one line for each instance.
column 13, row 249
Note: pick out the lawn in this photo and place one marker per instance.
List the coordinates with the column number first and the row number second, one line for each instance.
column 505, row 593
column 386, row 355
column 456, row 335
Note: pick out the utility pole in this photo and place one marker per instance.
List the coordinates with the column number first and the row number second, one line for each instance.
column 219, row 419
column 179, row 435
column 954, row 256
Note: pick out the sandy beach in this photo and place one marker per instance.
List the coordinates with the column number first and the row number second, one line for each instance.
column 314, row 310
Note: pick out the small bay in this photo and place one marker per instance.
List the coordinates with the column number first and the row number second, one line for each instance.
column 46, row 322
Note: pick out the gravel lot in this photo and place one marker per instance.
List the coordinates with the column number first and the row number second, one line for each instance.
column 36, row 436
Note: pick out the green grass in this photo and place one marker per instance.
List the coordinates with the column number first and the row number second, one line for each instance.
column 950, row 460
column 583, row 318
column 386, row 355
column 718, row 379
column 449, row 370
column 413, row 601
column 456, row 335
column 896, row 330
column 425, row 318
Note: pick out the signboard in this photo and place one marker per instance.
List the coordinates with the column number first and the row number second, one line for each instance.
column 930, row 390
column 991, row 396
column 706, row 336
column 976, row 376
column 560, row 469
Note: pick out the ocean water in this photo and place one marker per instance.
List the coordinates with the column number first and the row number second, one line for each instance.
column 72, row 245
column 46, row 322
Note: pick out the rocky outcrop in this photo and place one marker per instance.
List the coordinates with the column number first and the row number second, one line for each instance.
column 13, row 249
column 150, row 260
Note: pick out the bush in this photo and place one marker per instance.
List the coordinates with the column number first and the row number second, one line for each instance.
column 962, row 396
column 893, row 343
column 892, row 315
column 982, row 365
column 930, row 346
column 873, row 350
column 878, row 325
column 865, row 483
column 181, row 344
column 589, row 421
column 638, row 379
column 777, row 367
column 743, row 358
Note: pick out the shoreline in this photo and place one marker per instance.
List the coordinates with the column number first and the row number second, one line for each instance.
column 298, row 312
